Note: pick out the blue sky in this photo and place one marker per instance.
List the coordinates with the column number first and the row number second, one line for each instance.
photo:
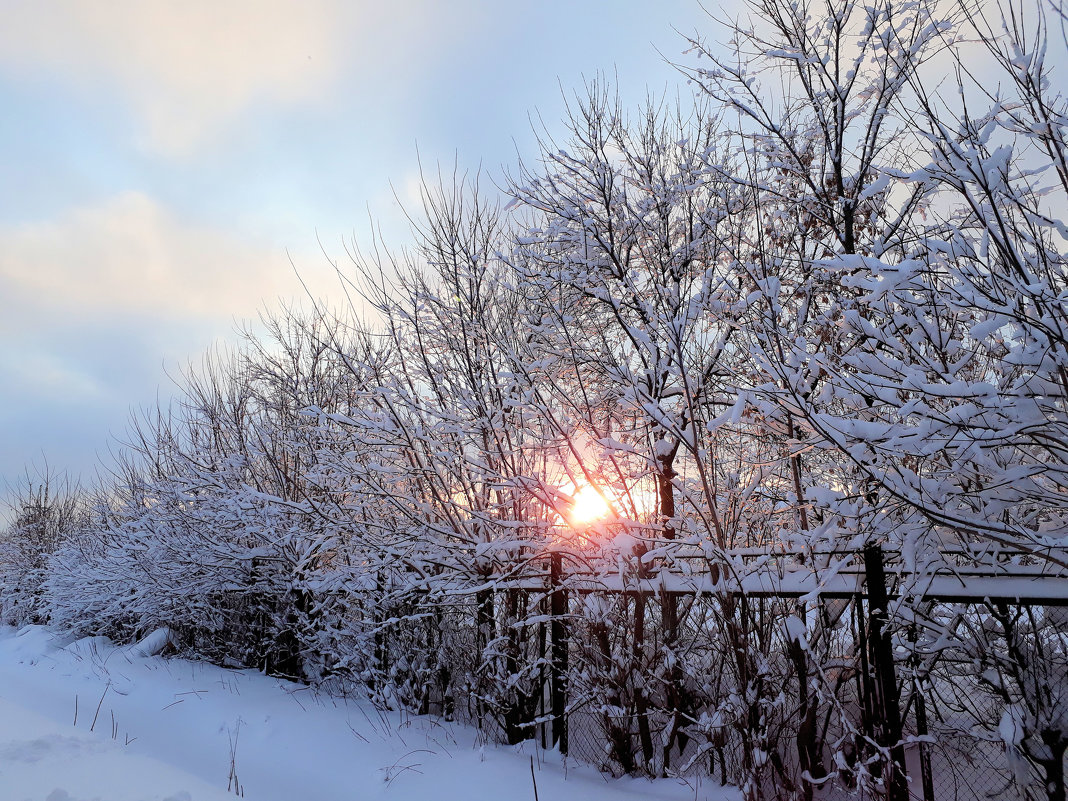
column 161, row 159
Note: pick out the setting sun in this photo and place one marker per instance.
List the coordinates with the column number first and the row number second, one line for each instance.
column 587, row 505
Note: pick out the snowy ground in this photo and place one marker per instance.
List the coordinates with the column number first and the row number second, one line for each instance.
column 174, row 730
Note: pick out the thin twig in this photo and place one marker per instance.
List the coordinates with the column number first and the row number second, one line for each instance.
column 100, row 704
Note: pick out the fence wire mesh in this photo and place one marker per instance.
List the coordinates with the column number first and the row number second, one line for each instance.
column 773, row 690
column 954, row 722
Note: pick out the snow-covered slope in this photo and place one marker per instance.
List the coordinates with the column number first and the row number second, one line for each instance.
column 88, row 720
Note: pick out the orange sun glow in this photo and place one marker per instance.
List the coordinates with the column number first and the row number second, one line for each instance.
column 587, row 505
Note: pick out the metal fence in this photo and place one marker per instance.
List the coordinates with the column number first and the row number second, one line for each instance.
column 915, row 681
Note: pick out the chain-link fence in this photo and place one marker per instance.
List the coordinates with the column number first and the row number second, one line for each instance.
column 788, row 695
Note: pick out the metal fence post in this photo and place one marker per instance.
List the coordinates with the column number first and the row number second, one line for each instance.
column 926, row 778
column 558, row 646
column 882, row 661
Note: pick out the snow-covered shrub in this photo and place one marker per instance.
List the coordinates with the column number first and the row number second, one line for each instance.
column 49, row 510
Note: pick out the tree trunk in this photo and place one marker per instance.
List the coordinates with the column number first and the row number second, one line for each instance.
column 641, row 703
column 1054, row 766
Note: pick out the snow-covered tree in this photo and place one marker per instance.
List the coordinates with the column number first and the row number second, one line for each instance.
column 816, row 307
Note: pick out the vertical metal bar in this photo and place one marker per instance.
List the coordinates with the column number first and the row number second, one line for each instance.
column 542, row 676
column 558, row 646
column 882, row 660
column 921, row 724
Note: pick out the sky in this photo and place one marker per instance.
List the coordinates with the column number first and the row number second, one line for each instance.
column 169, row 168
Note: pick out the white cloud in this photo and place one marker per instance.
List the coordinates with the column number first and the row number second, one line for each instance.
column 187, row 67
column 131, row 255
column 99, row 306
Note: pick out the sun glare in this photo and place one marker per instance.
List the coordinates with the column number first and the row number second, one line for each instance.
column 588, row 505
